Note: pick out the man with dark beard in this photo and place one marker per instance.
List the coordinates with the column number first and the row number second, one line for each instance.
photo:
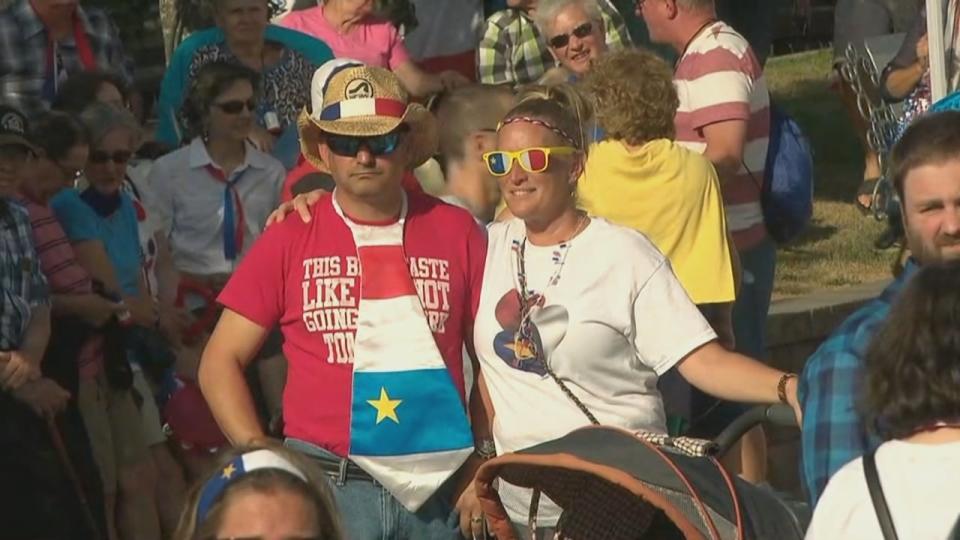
column 925, row 167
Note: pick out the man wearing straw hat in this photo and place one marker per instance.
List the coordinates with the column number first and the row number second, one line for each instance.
column 375, row 296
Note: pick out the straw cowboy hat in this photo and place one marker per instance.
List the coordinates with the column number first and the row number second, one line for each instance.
column 350, row 98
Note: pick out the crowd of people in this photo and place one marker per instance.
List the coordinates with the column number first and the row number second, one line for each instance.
column 322, row 281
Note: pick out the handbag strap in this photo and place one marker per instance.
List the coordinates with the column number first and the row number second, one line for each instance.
column 535, row 496
column 876, row 495
column 576, row 401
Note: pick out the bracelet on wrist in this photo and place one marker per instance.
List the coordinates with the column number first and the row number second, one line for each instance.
column 486, row 449
column 782, row 386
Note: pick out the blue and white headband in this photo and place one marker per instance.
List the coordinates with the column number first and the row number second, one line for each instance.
column 236, row 469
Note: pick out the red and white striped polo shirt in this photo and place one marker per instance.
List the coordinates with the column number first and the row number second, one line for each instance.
column 718, row 78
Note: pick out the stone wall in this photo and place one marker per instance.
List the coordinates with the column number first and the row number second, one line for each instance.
column 795, row 328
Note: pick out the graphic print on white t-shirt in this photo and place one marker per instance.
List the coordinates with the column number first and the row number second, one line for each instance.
column 547, row 325
column 615, row 320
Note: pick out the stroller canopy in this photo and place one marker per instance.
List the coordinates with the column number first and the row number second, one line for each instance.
column 613, row 485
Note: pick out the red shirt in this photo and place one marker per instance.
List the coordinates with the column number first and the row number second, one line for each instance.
column 57, row 258
column 64, row 274
column 305, row 276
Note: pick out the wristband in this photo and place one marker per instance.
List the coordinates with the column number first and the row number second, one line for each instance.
column 486, row 449
column 782, row 386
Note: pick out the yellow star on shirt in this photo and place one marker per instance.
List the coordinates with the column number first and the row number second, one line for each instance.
column 228, row 471
column 386, row 407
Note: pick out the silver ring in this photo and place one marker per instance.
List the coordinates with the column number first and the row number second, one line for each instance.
column 476, row 519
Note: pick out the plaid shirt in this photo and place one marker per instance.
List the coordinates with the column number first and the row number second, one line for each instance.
column 23, row 53
column 22, row 285
column 513, row 51
column 833, row 432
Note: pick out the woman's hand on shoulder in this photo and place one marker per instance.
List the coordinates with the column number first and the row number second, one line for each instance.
column 300, row 204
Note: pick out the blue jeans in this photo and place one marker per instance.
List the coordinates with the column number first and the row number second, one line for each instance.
column 369, row 512
column 753, row 301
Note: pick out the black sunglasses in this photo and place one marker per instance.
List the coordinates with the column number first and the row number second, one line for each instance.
column 562, row 40
column 379, row 145
column 119, row 157
column 236, row 106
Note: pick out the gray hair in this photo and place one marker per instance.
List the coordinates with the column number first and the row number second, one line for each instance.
column 547, row 11
column 101, row 119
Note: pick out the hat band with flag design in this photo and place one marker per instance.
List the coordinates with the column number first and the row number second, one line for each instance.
column 353, row 108
column 349, row 98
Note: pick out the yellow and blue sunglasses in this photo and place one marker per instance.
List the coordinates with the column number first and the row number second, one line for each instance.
column 533, row 160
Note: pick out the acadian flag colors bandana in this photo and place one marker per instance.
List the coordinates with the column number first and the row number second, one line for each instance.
column 408, row 426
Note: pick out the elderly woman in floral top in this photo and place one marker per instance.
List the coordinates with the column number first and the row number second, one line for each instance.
column 284, row 59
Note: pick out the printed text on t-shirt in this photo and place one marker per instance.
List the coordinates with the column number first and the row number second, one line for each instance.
column 331, row 299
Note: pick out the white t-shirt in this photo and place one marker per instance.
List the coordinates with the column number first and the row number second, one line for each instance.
column 615, row 320
column 921, row 484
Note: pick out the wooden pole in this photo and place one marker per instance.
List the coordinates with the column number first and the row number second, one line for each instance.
column 938, row 64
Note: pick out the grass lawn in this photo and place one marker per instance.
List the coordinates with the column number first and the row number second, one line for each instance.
column 837, row 248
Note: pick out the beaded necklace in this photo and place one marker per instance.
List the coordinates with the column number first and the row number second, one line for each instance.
column 523, row 341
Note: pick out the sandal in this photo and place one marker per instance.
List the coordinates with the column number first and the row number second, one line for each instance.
column 867, row 187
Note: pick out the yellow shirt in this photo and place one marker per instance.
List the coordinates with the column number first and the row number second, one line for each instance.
column 671, row 195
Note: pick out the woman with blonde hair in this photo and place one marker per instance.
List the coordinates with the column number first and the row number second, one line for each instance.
column 263, row 491
column 579, row 317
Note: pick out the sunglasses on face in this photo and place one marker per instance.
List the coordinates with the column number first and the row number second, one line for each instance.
column 562, row 40
column 236, row 106
column 120, row 157
column 379, row 145
column 533, row 160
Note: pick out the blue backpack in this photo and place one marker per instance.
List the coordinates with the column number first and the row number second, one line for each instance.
column 787, row 190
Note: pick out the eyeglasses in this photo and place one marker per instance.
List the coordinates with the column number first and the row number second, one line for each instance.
column 236, row 106
column 120, row 157
column 534, row 160
column 562, row 40
column 379, row 145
